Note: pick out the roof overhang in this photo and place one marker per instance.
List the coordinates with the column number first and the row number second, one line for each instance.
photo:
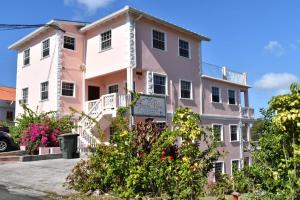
column 225, row 81
column 128, row 9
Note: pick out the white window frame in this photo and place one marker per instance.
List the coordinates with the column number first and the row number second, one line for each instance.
column 237, row 133
column 23, row 95
column 223, row 169
column 190, row 52
column 211, row 94
column 42, row 47
column 100, row 41
column 191, row 92
column 75, row 42
column 166, row 38
column 235, row 96
column 222, row 130
column 25, row 57
column 44, row 91
column 113, row 84
column 166, row 86
column 231, row 165
column 74, row 89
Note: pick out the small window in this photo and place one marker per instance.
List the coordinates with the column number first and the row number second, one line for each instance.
column 69, row 42
column 10, row 116
column 218, row 132
column 67, row 89
column 113, row 89
column 159, row 84
column 44, row 91
column 158, row 40
column 186, row 89
column 25, row 95
column 106, row 40
column 231, row 97
column 235, row 166
column 184, row 48
column 218, row 169
column 215, row 94
column 26, row 60
column 233, row 133
column 46, row 48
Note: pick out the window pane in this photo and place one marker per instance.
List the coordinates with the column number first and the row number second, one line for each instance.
column 26, row 60
column 235, row 165
column 44, row 90
column 69, row 43
column 185, row 89
column 184, row 48
column 25, row 95
column 67, row 89
column 215, row 94
column 113, row 89
column 217, row 131
column 231, row 96
column 159, row 84
column 158, row 40
column 106, row 40
column 218, row 170
column 233, row 133
column 46, row 47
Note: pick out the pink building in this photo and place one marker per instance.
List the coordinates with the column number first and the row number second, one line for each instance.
column 92, row 67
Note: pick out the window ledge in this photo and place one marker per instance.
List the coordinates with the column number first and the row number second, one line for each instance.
column 43, row 58
column 71, row 50
column 236, row 141
column 213, row 102
column 188, row 58
column 104, row 50
column 190, row 99
column 41, row 101
column 24, row 66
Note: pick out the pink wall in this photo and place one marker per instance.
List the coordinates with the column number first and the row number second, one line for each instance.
column 102, row 62
column 168, row 62
column 223, row 108
column 72, row 69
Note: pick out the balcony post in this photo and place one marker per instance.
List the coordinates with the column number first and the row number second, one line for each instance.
column 224, row 72
column 245, row 78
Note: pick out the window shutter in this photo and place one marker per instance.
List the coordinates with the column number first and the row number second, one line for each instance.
column 149, row 83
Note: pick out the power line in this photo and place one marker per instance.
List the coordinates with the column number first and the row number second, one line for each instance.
column 8, row 27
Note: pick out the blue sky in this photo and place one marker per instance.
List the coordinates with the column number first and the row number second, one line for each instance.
column 261, row 38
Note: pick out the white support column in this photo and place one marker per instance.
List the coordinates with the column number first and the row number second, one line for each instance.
column 241, row 140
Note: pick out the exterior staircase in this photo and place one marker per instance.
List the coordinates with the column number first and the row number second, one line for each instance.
column 98, row 111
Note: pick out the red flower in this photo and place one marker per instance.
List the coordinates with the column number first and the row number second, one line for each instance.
column 170, row 158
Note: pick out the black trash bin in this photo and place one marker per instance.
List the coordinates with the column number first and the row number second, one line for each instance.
column 68, row 145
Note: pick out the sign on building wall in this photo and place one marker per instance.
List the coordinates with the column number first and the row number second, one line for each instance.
column 150, row 106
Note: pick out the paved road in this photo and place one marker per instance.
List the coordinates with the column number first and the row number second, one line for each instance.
column 6, row 195
column 35, row 178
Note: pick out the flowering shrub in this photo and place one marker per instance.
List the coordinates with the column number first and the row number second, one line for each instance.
column 39, row 135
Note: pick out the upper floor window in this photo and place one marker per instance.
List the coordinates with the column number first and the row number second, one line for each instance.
column 218, row 132
column 68, row 89
column 113, row 89
column 26, row 55
column 235, row 165
column 106, row 40
column 234, row 133
column 159, row 82
column 184, row 48
column 44, row 90
column 25, row 95
column 45, row 48
column 215, row 94
column 231, row 97
column 159, row 40
column 69, row 42
column 185, row 89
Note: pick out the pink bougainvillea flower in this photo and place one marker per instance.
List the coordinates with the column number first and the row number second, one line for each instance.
column 44, row 140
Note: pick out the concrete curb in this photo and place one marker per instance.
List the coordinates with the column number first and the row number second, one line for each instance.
column 28, row 158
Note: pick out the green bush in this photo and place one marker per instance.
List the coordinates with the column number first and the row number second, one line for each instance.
column 148, row 161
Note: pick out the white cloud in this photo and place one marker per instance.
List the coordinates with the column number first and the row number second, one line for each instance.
column 276, row 81
column 90, row 5
column 275, row 48
column 283, row 91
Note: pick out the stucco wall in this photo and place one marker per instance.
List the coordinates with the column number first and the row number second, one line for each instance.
column 169, row 62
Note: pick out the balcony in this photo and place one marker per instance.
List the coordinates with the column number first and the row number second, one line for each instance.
column 223, row 73
column 247, row 112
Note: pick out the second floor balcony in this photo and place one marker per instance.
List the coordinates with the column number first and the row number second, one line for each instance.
column 223, row 73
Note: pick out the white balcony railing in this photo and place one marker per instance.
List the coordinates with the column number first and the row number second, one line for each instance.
column 223, row 73
column 247, row 112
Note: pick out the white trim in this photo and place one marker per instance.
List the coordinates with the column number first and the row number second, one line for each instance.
column 113, row 84
column 220, row 94
column 222, row 130
column 166, row 86
column 214, row 170
column 235, row 97
column 74, row 89
column 75, row 42
column 231, row 166
column 44, row 91
column 166, row 39
column 191, row 91
column 100, row 41
column 237, row 133
column 190, row 50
